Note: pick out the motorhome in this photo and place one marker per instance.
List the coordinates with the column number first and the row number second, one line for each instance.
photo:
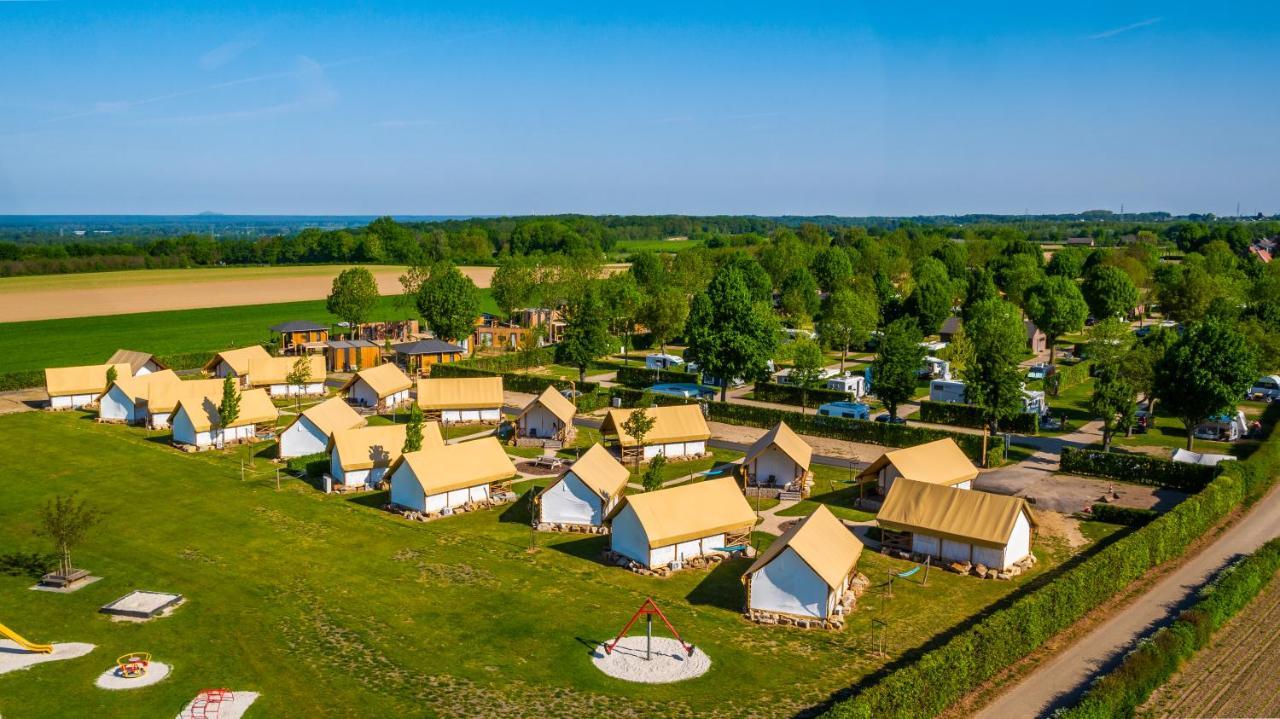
column 662, row 361
column 847, row 410
column 855, row 385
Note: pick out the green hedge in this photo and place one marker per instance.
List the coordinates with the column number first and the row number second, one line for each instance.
column 937, row 678
column 512, row 381
column 185, row 360
column 1067, row 376
column 791, row 394
column 642, row 377
column 1129, row 516
column 512, row 361
column 1138, row 469
column 310, row 465
column 10, row 381
column 1155, row 659
column 634, row 397
column 851, row 430
column 968, row 415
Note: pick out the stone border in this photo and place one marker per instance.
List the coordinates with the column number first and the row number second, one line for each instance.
column 980, row 571
column 703, row 561
column 414, row 515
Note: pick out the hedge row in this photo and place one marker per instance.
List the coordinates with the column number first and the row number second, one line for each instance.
column 311, row 465
column 185, row 360
column 1129, row 516
column 968, row 415
column 10, row 381
column 939, row 677
column 634, row 397
column 1154, row 660
column 641, row 377
column 850, row 430
column 1067, row 376
column 791, row 394
column 512, row 361
column 1138, row 469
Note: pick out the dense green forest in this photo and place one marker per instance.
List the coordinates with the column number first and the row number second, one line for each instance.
column 486, row 240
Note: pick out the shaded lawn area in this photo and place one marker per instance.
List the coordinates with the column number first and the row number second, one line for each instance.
column 1168, row 433
column 454, row 617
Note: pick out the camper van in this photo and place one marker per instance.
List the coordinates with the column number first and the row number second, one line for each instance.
column 855, row 385
column 935, row 368
column 784, row 377
column 661, row 361
column 952, row 391
column 1266, row 389
column 848, row 410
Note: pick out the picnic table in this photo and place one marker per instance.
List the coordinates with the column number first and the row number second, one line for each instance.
column 549, row 461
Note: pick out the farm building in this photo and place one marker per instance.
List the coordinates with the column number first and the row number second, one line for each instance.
column 359, row 457
column 957, row 525
column 779, row 459
column 126, row 400
column 272, row 374
column 461, row 399
column 680, row 523
column 586, row 493
column 381, row 387
column 548, row 416
column 806, row 573
column 196, row 422
column 163, row 398
column 75, row 387
column 235, row 363
column 140, row 363
column 418, row 356
column 446, row 477
column 678, row 431
column 309, row 432
column 351, row 355
column 301, row 336
column 938, row 462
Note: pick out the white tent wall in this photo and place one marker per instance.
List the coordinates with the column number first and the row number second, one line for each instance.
column 569, row 501
column 159, row 421
column 471, row 415
column 675, row 449
column 147, row 368
column 72, row 401
column 790, row 586
column 354, row 477
column 116, row 405
column 405, row 490
column 964, row 485
column 296, row 390
column 774, row 463
column 957, row 551
column 363, row 395
column 540, row 422
column 627, row 537
column 302, row 438
column 222, row 370
column 1019, row 545
column 924, row 544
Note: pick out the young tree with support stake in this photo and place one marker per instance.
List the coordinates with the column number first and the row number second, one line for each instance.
column 298, row 378
column 413, row 430
column 638, row 426
column 66, row 522
column 229, row 407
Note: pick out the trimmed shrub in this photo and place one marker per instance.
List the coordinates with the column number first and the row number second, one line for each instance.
column 310, row 465
column 528, row 383
column 1128, row 516
column 1065, row 377
column 791, row 394
column 511, row 361
column 10, row 381
column 185, row 360
column 1138, row 469
column 642, row 377
column 968, row 415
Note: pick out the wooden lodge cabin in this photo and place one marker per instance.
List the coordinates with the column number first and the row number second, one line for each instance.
column 492, row 332
column 351, row 355
column 938, row 462
column 301, row 336
column 417, row 357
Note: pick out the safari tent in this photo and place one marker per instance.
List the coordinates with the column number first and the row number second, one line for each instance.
column 127, row 399
column 779, row 459
column 938, row 462
column 957, row 525
column 461, row 399
column 587, row 492
column 382, row 387
column 678, row 431
column 235, row 363
column 272, row 374
column 359, row 457
column 445, row 477
column 806, row 572
column 140, row 363
column 163, row 398
column 548, row 416
column 75, row 387
column 197, row 423
column 671, row 525
column 309, row 432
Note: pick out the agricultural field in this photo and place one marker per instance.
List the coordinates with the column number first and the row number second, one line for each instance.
column 673, row 244
column 329, row 606
column 71, row 341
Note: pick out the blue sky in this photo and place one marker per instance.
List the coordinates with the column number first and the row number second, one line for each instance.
column 768, row 108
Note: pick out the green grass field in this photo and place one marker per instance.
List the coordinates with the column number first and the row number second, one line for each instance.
column 331, row 607
column 626, row 247
column 90, row 340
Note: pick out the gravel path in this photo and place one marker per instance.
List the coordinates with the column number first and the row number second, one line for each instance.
column 12, row 658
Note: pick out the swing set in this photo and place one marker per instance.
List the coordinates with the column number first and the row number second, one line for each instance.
column 648, row 610
column 924, row 582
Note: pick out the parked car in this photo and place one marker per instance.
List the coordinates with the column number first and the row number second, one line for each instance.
column 1039, row 371
column 891, row 420
column 1265, row 389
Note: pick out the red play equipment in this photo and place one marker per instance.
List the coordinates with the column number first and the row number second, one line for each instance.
column 208, row 703
column 647, row 610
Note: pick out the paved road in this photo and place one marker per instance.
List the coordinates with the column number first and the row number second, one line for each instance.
column 1061, row 679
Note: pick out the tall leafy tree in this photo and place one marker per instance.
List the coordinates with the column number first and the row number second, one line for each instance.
column 649, row 269
column 1114, row 395
column 623, row 300
column 800, row 299
column 753, row 273
column 832, row 269
column 449, row 302
column 729, row 335
column 586, row 333
column 931, row 296
column 1057, row 308
column 652, row 480
column 1017, row 273
column 664, row 312
column 514, row 284
column 229, row 406
column 898, row 359
column 413, row 430
column 980, row 286
column 847, row 319
column 1067, row 262
column 353, row 296
column 806, row 368
column 993, row 381
column 1110, row 292
column 1205, row 372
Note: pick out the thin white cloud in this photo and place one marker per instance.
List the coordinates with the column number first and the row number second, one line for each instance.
column 314, row 93
column 231, row 49
column 1117, row 30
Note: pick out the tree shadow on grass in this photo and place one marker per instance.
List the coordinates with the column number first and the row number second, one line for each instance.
column 590, row 547
column 722, row 587
column 519, row 511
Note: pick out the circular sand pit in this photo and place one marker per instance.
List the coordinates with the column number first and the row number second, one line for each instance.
column 670, row 663
column 111, row 679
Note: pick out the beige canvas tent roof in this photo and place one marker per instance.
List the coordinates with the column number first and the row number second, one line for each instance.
column 255, row 408
column 826, row 545
column 334, row 414
column 602, row 474
column 958, row 514
column 938, row 462
column 365, row 447
column 690, row 511
column 164, row 396
column 140, row 388
column 555, row 403
column 86, row 379
column 385, row 380
column 674, row 423
column 786, row 440
column 460, row 393
column 136, row 360
column 238, row 359
column 276, row 370
column 444, row 467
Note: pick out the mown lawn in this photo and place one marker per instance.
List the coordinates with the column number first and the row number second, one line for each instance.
column 628, row 246
column 831, row 487
column 331, row 607
column 90, row 340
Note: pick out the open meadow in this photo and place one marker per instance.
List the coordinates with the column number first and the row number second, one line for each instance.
column 331, row 607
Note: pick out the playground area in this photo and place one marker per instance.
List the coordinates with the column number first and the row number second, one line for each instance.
column 458, row 618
